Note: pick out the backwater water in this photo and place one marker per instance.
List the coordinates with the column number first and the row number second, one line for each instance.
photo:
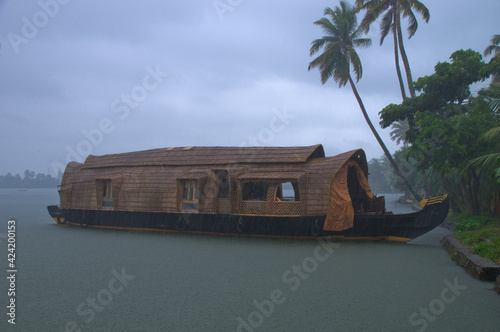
column 74, row 279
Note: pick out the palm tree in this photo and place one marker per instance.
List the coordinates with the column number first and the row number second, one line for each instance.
column 339, row 54
column 398, row 133
column 391, row 21
column 489, row 165
column 488, row 162
column 494, row 48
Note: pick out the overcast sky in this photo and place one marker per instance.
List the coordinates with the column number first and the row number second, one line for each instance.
column 99, row 77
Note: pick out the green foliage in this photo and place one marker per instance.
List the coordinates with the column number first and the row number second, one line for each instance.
column 393, row 113
column 398, row 132
column 448, row 86
column 450, row 82
column 469, row 224
column 493, row 68
column 498, row 172
column 487, row 250
column 449, row 140
column 446, row 124
column 481, row 234
column 491, row 96
column 494, row 48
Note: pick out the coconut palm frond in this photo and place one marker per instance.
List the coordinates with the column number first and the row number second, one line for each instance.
column 399, row 130
column 386, row 25
column 338, row 46
column 392, row 11
column 494, row 104
column 487, row 164
column 497, row 174
column 491, row 135
column 494, row 48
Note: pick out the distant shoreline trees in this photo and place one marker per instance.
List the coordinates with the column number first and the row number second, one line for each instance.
column 30, row 179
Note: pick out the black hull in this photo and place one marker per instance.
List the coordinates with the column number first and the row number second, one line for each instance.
column 391, row 227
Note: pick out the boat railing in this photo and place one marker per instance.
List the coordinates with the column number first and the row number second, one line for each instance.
column 271, row 208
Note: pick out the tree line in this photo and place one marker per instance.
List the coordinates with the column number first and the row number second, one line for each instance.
column 30, row 179
column 450, row 137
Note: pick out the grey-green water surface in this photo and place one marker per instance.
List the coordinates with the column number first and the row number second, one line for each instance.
column 72, row 279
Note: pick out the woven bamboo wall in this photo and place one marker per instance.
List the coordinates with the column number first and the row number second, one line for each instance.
column 149, row 180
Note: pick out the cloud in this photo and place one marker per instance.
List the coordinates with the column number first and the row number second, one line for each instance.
column 225, row 77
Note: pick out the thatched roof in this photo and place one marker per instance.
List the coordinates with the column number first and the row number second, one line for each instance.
column 185, row 156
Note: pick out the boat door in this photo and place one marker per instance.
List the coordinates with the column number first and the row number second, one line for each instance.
column 222, row 201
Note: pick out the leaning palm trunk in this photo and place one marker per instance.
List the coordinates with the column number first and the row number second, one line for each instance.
column 379, row 140
column 397, row 21
column 398, row 69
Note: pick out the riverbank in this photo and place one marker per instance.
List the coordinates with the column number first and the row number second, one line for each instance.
column 475, row 265
column 480, row 234
column 475, row 245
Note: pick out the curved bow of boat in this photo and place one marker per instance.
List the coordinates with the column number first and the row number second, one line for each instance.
column 432, row 215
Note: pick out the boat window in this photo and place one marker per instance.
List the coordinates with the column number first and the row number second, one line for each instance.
column 257, row 191
column 107, row 194
column 290, row 191
column 270, row 198
column 190, row 195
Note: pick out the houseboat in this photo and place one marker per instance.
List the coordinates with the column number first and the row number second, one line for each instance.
column 275, row 192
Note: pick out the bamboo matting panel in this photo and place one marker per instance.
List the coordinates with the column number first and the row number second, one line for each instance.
column 265, row 208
